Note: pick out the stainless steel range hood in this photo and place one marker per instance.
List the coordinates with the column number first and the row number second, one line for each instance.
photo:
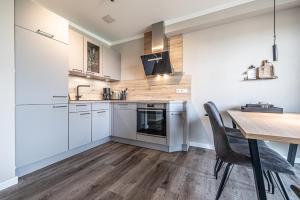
column 157, row 62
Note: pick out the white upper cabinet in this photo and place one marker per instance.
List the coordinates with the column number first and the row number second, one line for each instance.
column 92, row 57
column 75, row 51
column 33, row 17
column 111, row 63
column 41, row 69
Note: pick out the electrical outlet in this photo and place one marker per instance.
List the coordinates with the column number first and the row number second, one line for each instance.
column 181, row 90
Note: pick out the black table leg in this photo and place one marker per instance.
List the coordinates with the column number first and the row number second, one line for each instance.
column 292, row 153
column 257, row 170
column 233, row 124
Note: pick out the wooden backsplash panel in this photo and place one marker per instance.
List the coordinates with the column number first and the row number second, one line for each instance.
column 175, row 47
column 148, row 42
column 156, row 88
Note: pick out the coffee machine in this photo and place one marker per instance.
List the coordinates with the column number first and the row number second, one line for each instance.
column 106, row 95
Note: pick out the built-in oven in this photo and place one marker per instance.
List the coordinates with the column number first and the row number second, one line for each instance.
column 151, row 119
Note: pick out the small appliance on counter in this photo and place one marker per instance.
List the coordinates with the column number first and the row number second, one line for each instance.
column 119, row 95
column 115, row 95
column 106, row 95
column 261, row 107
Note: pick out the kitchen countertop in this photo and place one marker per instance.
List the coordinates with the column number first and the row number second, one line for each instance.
column 127, row 101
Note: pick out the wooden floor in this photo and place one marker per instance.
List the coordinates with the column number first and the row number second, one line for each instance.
column 118, row 171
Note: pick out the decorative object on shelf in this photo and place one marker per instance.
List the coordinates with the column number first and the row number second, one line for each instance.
column 275, row 49
column 250, row 73
column 266, row 70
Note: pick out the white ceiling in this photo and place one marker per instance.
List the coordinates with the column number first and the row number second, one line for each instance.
column 134, row 17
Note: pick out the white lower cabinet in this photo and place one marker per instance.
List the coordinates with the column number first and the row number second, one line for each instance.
column 80, row 128
column 100, row 124
column 124, row 121
column 175, row 123
column 41, row 132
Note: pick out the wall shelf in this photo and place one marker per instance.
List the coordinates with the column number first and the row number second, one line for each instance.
column 257, row 79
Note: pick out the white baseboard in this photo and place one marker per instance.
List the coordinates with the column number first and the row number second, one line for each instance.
column 8, row 183
column 202, row 145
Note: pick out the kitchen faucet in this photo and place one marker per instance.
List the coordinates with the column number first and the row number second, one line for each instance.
column 77, row 91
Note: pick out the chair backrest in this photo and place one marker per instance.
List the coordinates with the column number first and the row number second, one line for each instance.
column 221, row 142
column 216, row 108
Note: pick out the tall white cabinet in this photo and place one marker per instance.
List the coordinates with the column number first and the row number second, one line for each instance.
column 41, row 57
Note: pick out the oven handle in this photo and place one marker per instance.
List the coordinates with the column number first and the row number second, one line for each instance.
column 148, row 110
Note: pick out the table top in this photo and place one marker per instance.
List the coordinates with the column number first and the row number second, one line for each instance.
column 268, row 126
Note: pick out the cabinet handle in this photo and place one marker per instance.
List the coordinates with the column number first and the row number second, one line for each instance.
column 178, row 114
column 39, row 31
column 106, row 76
column 78, row 70
column 101, row 112
column 85, row 113
column 80, row 105
column 60, row 106
column 60, row 96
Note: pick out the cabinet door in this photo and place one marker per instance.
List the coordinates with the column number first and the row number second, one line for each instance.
column 75, row 51
column 41, row 132
column 111, row 63
column 79, row 129
column 34, row 17
column 41, row 68
column 92, row 57
column 124, row 123
column 176, row 128
column 100, row 124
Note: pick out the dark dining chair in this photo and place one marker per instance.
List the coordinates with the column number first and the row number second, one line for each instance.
column 234, row 135
column 238, row 154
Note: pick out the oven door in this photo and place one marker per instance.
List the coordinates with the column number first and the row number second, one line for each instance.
column 151, row 122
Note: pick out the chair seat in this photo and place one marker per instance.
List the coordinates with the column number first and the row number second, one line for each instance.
column 270, row 159
column 233, row 132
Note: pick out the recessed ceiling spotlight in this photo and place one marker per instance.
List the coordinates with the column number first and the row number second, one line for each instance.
column 108, row 19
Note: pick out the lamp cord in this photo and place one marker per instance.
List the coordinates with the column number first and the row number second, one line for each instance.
column 274, row 13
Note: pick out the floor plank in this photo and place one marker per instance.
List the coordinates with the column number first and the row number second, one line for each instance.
column 115, row 171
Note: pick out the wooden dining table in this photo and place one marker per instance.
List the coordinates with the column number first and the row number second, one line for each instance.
column 267, row 127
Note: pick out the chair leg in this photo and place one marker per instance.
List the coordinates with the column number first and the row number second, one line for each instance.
column 286, row 196
column 271, row 182
column 224, row 180
column 219, row 168
column 267, row 179
column 216, row 166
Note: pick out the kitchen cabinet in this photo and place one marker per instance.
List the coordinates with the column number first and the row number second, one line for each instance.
column 100, row 124
column 124, row 120
column 75, row 51
column 35, row 18
column 80, row 129
column 41, row 132
column 41, row 69
column 111, row 63
column 92, row 57
column 175, row 128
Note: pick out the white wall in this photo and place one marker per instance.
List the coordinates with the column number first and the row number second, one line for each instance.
column 7, row 91
column 216, row 57
column 131, row 63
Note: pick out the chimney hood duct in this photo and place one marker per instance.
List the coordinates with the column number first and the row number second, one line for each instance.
column 157, row 62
